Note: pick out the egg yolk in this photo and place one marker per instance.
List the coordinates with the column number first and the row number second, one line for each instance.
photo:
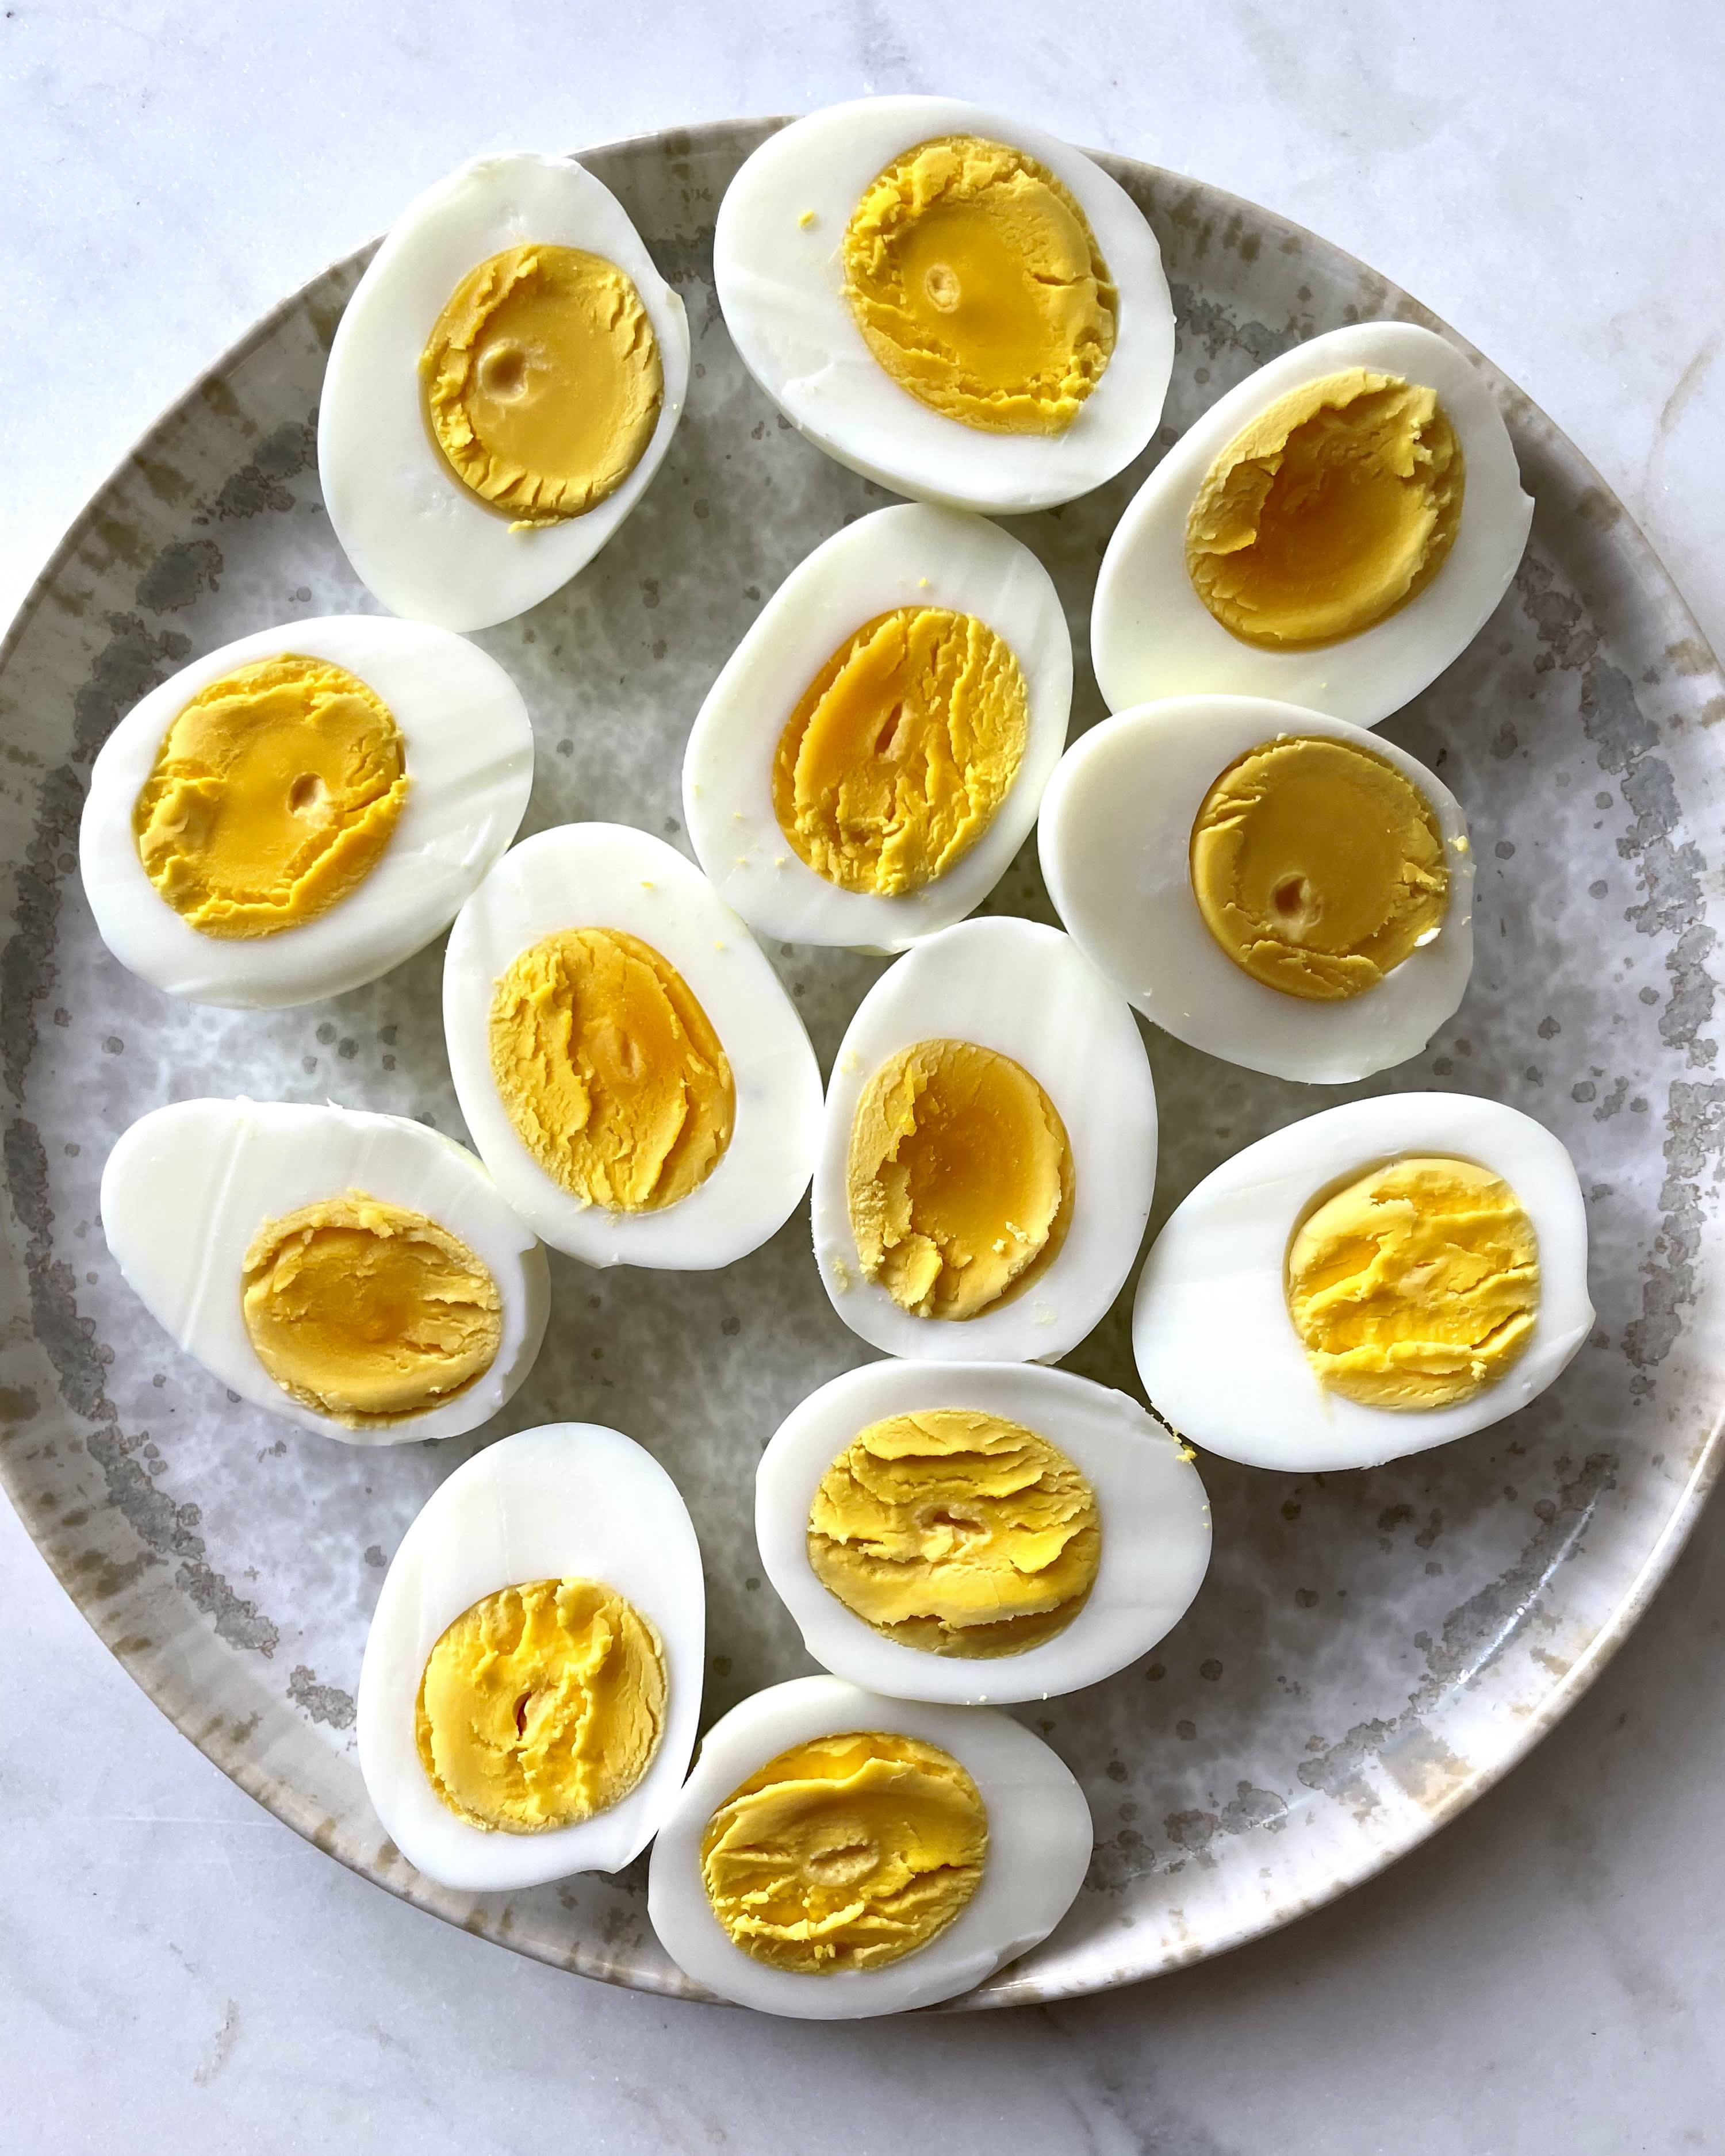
column 956, row 1532
column 1415, row 1287
column 611, row 1071
column 542, row 382
column 959, row 1179
column 366, row 1312
column 1334, row 507
column 980, row 287
column 542, row 1705
column 1318, row 867
column 903, row 747
column 273, row 795
column 846, row 1853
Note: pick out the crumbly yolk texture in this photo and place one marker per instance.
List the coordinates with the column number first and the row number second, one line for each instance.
column 1334, row 507
column 979, row 286
column 956, row 1532
column 542, row 382
column 1318, row 867
column 1417, row 1285
column 611, row 1071
column 273, row 795
column 542, row 1705
column 366, row 1312
column 847, row 1852
column 901, row 750
column 959, row 1179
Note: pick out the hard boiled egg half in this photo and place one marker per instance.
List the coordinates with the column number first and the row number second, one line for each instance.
column 836, row 1853
column 1331, row 533
column 628, row 1062
column 532, row 1680
column 949, row 302
column 1371, row 1283
column 296, row 813
column 979, row 1531
column 357, row 1274
column 870, row 759
column 504, row 384
column 989, row 1151
column 1277, row 887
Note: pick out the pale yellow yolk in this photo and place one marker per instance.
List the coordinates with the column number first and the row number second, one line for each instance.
column 1318, row 867
column 980, row 287
column 610, row 1070
column 959, row 1179
column 1334, row 507
column 543, row 381
column 366, row 1312
column 274, row 793
column 956, row 1532
column 902, row 748
column 1416, row 1287
column 847, row 1852
column 542, row 1705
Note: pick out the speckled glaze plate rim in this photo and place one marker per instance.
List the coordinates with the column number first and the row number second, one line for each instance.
column 297, row 1811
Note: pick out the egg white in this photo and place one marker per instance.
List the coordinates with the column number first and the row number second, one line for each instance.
column 418, row 539
column 781, row 285
column 1152, row 636
column 1115, row 837
column 609, row 876
column 1216, row 1348
column 1027, row 993
column 187, row 1187
column 912, row 556
column 571, row 1500
column 1040, row 1842
column 1155, row 1523
column 467, row 744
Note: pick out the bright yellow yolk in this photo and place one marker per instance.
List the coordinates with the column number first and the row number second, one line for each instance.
column 274, row 794
column 847, row 1852
column 980, row 287
column 366, row 1312
column 1416, row 1287
column 959, row 1179
column 542, row 382
column 542, row 1705
column 902, row 748
column 610, row 1070
column 956, row 1532
column 1336, row 506
column 1318, row 867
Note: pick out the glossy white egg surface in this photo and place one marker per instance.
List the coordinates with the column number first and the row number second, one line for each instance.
column 910, row 556
column 1155, row 1522
column 1151, row 633
column 610, row 875
column 778, row 267
column 1027, row 991
column 468, row 747
column 572, row 1500
column 425, row 545
column 1115, row 838
column 1040, row 1842
column 188, row 1186
column 1216, row 1348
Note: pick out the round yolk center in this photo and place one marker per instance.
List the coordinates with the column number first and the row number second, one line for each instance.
column 956, row 1532
column 980, row 287
column 901, row 750
column 1415, row 1287
column 1332, row 510
column 845, row 1852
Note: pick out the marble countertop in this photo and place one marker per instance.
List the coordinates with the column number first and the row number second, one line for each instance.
column 179, row 1970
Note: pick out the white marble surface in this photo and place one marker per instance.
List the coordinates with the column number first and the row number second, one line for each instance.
column 178, row 1970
